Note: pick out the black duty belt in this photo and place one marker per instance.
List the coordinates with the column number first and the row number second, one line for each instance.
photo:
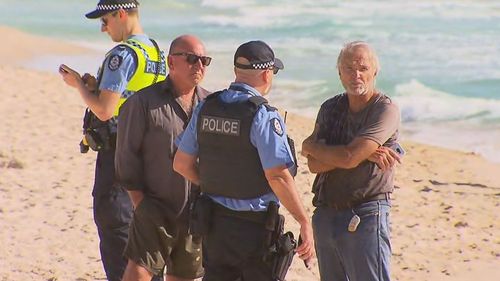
column 353, row 204
column 257, row 217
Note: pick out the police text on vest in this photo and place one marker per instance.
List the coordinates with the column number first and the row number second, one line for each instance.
column 217, row 125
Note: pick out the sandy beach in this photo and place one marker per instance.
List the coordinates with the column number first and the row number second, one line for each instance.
column 445, row 216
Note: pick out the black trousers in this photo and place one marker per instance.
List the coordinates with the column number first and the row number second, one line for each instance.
column 112, row 216
column 233, row 250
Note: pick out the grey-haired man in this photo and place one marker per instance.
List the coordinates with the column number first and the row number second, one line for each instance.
column 349, row 150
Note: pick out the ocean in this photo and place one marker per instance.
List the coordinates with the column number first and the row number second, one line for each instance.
column 440, row 59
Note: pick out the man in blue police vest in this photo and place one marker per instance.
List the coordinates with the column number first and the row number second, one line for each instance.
column 135, row 63
column 244, row 161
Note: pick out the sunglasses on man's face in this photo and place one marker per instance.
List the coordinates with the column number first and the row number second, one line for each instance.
column 192, row 58
column 274, row 69
column 104, row 21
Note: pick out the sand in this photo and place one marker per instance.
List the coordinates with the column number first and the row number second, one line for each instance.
column 445, row 216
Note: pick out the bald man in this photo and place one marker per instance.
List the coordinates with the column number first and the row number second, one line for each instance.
column 148, row 125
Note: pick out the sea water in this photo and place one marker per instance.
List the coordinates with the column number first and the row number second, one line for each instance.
column 440, row 59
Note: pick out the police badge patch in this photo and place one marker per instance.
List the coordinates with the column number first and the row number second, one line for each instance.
column 114, row 62
column 276, row 125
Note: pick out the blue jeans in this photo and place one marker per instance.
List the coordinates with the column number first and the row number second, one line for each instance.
column 363, row 255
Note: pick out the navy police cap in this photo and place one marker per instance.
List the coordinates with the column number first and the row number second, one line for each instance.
column 259, row 54
column 106, row 6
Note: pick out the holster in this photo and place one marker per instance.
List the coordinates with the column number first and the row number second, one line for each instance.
column 280, row 247
column 96, row 134
column 285, row 247
column 200, row 215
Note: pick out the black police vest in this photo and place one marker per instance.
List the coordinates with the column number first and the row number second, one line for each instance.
column 229, row 164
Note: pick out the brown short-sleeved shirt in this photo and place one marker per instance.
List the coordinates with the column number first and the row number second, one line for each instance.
column 148, row 124
column 378, row 122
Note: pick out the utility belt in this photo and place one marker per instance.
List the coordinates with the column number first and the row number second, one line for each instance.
column 279, row 247
column 97, row 134
column 353, row 204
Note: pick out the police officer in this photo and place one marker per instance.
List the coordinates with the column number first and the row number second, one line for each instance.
column 135, row 63
column 244, row 161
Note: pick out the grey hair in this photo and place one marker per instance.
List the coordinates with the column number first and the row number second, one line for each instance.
column 348, row 47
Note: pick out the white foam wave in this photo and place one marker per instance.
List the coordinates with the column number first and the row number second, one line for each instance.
column 422, row 103
column 444, row 9
column 226, row 4
column 252, row 16
column 464, row 137
column 258, row 13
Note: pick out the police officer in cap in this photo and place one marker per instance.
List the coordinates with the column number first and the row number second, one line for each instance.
column 135, row 63
column 236, row 148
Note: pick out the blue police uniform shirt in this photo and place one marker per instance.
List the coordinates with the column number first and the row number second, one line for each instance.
column 117, row 70
column 267, row 134
column 119, row 67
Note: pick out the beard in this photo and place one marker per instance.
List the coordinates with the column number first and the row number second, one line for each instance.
column 360, row 90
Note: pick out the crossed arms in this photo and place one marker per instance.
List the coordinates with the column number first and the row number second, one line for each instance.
column 322, row 157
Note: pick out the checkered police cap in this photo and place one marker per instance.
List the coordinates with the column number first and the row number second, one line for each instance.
column 259, row 54
column 106, row 6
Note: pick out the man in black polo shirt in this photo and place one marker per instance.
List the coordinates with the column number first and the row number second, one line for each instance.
column 349, row 150
column 148, row 126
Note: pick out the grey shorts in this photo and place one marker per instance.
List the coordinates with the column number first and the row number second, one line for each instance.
column 155, row 243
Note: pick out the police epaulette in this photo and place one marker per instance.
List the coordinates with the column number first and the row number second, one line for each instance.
column 256, row 100
column 214, row 95
column 119, row 47
column 123, row 46
column 259, row 100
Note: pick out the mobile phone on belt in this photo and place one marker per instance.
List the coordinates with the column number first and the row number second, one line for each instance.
column 398, row 148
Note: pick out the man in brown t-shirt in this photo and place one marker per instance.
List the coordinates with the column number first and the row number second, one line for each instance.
column 350, row 151
column 148, row 125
